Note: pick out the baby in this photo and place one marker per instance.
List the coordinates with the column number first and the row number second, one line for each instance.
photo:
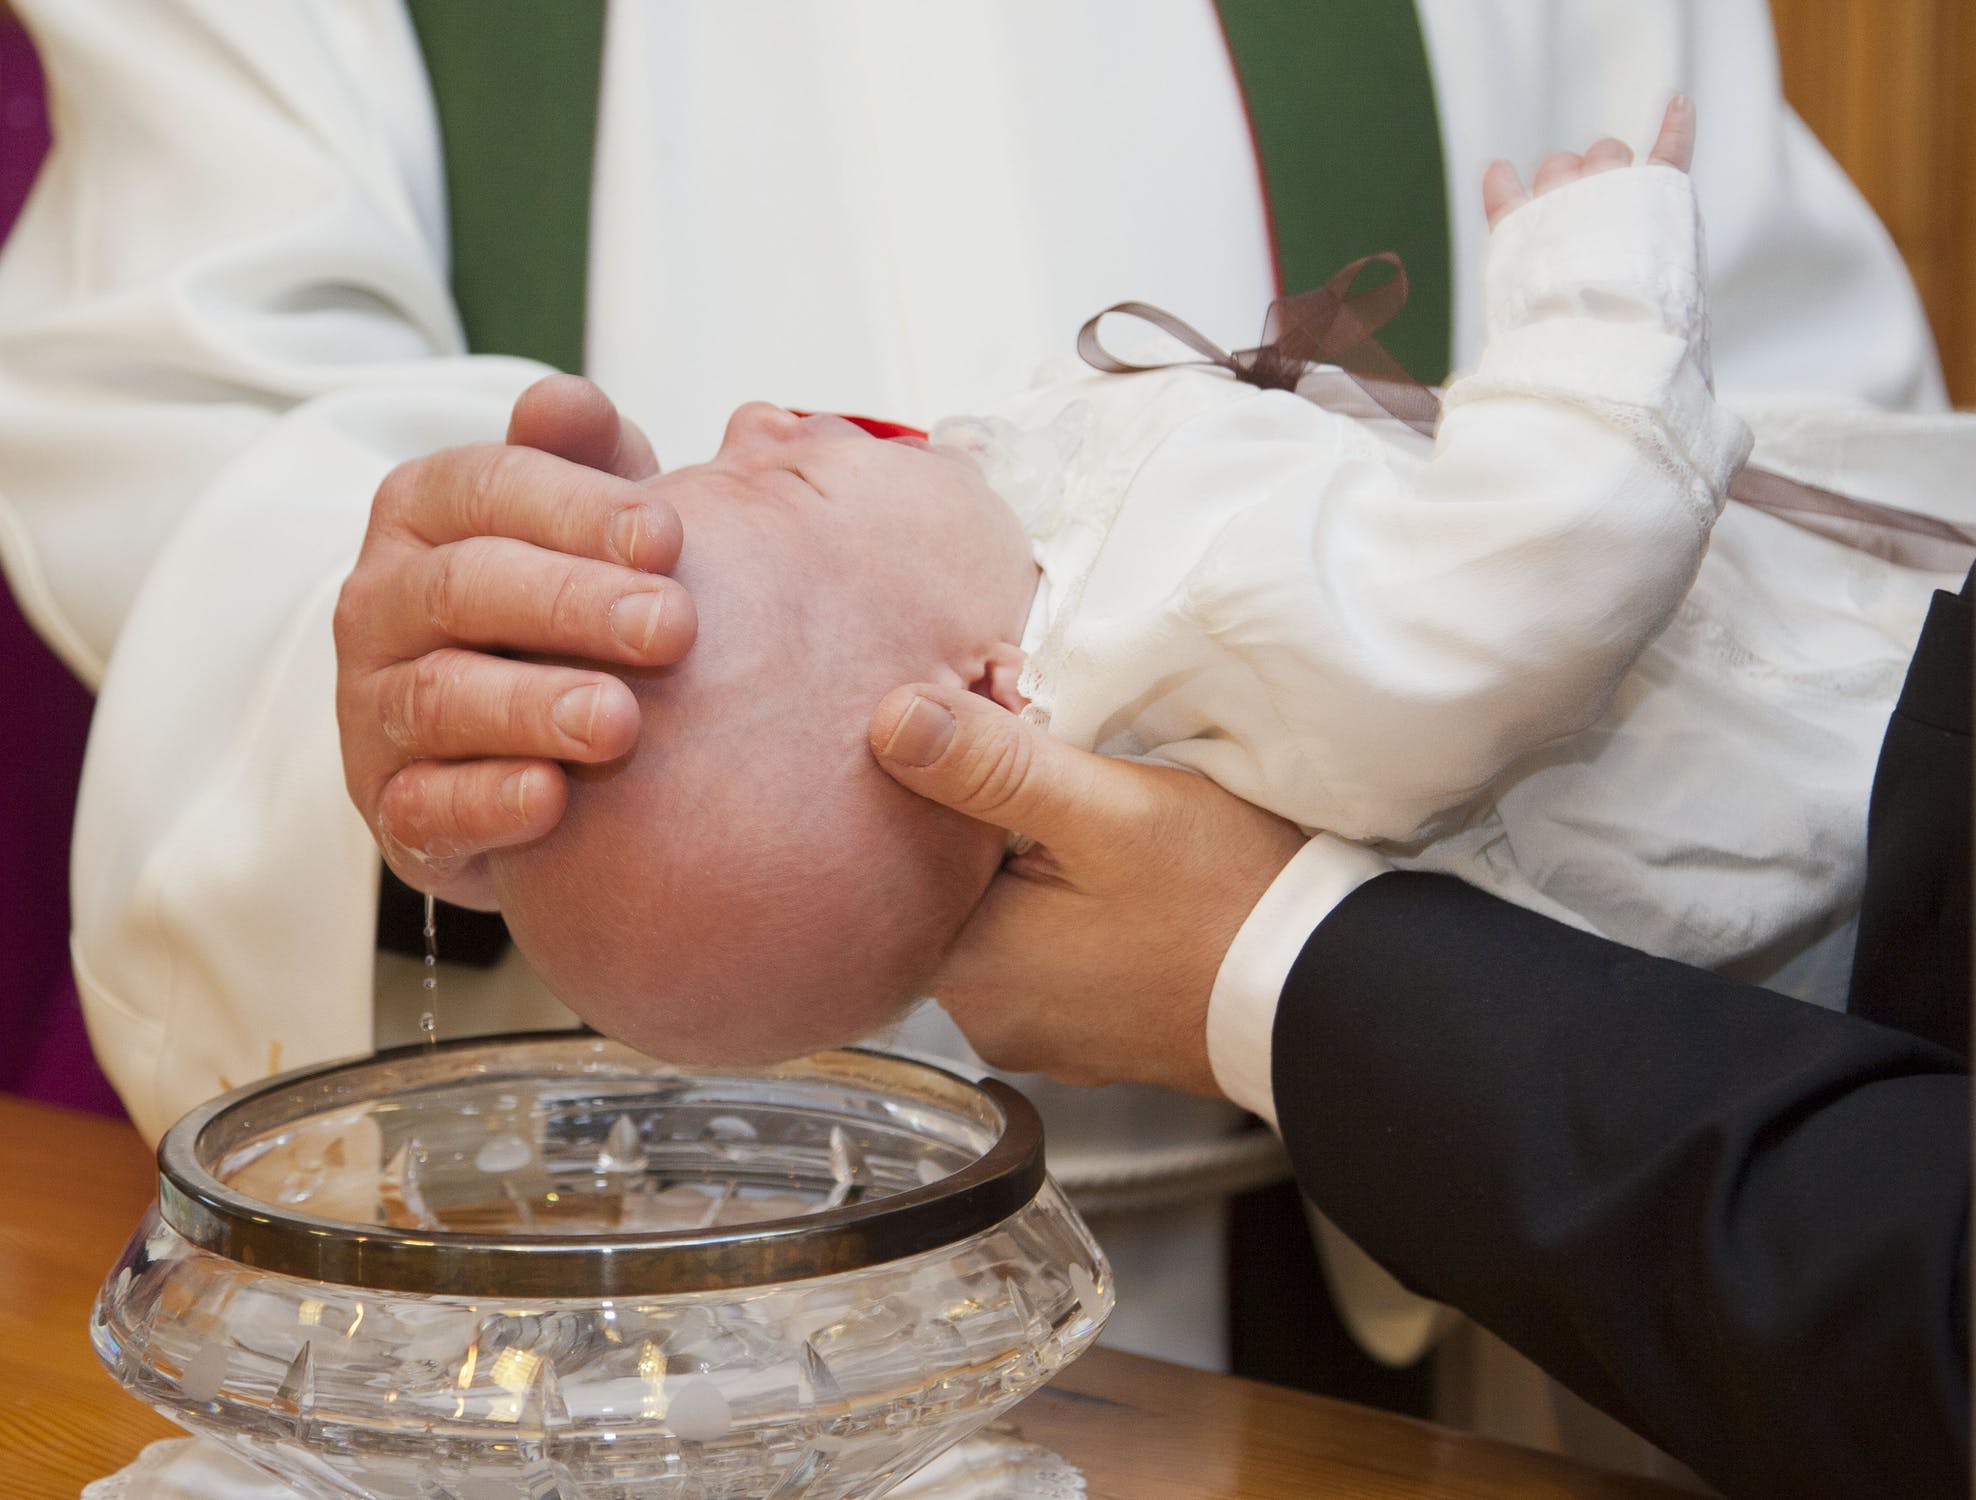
column 1505, row 657
column 747, row 884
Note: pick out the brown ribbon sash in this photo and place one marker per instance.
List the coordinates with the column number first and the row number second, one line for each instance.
column 1323, row 345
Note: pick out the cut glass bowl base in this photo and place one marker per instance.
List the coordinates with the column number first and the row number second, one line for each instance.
column 346, row 1279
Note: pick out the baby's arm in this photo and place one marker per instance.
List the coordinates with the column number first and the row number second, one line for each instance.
column 1374, row 648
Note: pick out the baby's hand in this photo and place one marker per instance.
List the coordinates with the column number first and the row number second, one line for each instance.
column 1502, row 189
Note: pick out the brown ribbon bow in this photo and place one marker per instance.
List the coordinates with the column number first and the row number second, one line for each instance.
column 1322, row 345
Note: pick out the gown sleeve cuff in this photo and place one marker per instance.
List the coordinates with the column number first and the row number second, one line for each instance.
column 1242, row 1007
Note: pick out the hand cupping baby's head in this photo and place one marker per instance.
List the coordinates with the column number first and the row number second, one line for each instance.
column 747, row 884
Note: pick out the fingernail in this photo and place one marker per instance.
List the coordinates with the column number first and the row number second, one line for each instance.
column 514, row 795
column 627, row 526
column 575, row 712
column 921, row 736
column 635, row 620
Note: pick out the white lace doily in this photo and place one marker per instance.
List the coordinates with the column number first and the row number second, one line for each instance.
column 991, row 1465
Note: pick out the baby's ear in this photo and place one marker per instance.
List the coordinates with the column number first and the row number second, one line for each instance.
column 1000, row 669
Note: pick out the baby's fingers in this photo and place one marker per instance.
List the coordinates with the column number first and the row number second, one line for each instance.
column 1676, row 145
column 1555, row 170
column 1606, row 154
column 1502, row 191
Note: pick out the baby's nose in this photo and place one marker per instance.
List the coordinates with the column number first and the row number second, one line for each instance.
column 759, row 423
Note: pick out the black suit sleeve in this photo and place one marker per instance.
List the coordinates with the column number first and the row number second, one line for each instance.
column 1734, row 1221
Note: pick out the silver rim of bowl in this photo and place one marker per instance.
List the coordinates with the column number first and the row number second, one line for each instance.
column 214, row 1217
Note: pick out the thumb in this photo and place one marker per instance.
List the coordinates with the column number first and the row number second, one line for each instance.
column 572, row 418
column 957, row 748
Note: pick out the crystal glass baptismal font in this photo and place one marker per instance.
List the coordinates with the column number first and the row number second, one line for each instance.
column 547, row 1267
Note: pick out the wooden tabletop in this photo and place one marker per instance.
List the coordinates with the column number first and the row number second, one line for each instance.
column 73, row 1186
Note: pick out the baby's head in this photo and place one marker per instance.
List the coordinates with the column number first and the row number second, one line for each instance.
column 748, row 884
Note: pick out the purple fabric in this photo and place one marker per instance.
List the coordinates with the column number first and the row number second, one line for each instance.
column 23, row 120
column 44, row 716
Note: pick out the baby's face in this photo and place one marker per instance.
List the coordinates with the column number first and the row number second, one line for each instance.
column 916, row 528
column 747, row 884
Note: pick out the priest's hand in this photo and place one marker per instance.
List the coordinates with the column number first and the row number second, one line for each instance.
column 546, row 544
column 1092, row 956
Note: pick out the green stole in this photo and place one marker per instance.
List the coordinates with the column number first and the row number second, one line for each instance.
column 1342, row 105
column 1339, row 96
column 515, row 84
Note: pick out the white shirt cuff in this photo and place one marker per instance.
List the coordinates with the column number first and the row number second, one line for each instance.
column 1242, row 1007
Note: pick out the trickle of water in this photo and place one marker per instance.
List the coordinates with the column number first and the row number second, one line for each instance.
column 429, row 1016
